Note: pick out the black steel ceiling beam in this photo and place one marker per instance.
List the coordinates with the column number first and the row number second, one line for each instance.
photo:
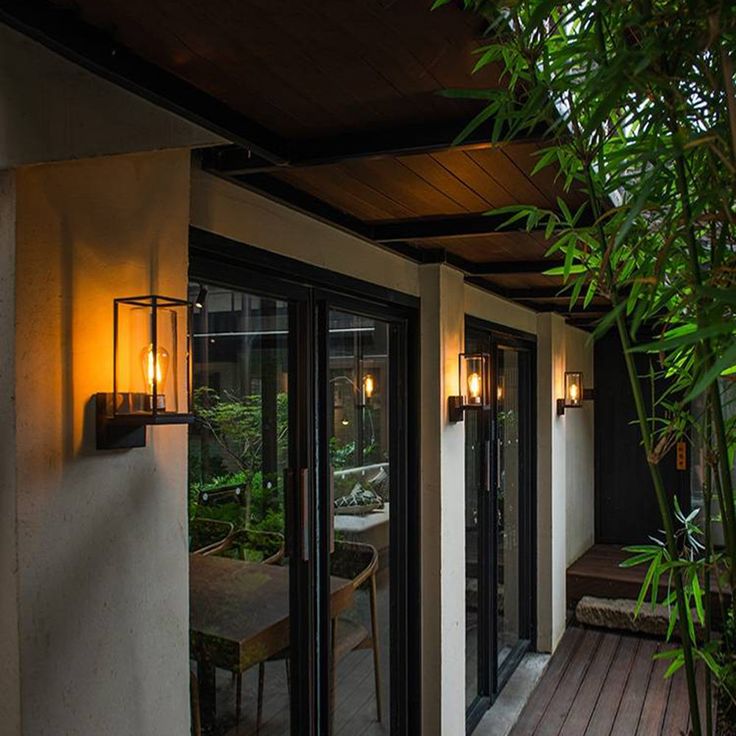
column 404, row 141
column 62, row 30
column 452, row 226
column 505, row 268
column 427, row 228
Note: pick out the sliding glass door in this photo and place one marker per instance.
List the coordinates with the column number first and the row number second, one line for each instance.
column 499, row 494
column 244, row 473
column 300, row 468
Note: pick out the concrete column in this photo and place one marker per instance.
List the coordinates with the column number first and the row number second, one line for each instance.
column 443, row 505
column 551, row 483
column 99, row 575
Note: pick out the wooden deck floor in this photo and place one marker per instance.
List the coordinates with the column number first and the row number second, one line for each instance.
column 604, row 684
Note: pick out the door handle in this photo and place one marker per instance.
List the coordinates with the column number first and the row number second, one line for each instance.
column 498, row 463
column 332, row 509
column 487, row 461
column 304, row 512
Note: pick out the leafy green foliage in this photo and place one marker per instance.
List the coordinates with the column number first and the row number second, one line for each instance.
column 638, row 98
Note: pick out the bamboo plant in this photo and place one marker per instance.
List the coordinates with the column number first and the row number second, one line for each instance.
column 638, row 100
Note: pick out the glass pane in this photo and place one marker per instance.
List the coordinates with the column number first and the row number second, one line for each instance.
column 359, row 454
column 238, row 452
column 473, row 479
column 507, row 509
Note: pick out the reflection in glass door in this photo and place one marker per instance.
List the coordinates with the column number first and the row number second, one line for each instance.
column 499, row 492
column 239, row 451
column 508, row 417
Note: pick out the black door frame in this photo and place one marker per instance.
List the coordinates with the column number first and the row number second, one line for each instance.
column 311, row 292
column 492, row 679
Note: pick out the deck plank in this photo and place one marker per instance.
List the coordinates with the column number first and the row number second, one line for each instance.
column 578, row 717
column 655, row 703
column 567, row 691
column 678, row 707
column 612, row 691
column 545, row 690
column 632, row 702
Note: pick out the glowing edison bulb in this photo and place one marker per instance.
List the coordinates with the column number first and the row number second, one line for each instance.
column 474, row 388
column 369, row 385
column 574, row 393
column 155, row 366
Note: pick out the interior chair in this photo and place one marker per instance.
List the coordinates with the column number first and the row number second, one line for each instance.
column 254, row 546
column 208, row 536
column 358, row 562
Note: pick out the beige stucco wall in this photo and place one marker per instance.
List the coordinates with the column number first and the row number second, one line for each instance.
column 580, row 451
column 102, row 565
column 442, row 504
column 565, row 471
column 53, row 110
column 481, row 304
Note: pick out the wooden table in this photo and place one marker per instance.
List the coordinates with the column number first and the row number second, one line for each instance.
column 239, row 616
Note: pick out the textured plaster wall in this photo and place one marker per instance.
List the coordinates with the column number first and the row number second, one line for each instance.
column 481, row 304
column 52, row 110
column 442, row 504
column 551, row 483
column 9, row 646
column 102, row 561
column 579, row 451
column 565, row 472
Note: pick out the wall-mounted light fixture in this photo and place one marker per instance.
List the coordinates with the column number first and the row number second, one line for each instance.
column 473, row 385
column 151, row 374
column 369, row 387
column 575, row 394
column 201, row 299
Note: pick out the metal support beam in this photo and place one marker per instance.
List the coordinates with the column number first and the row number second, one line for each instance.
column 404, row 141
column 502, row 268
column 452, row 226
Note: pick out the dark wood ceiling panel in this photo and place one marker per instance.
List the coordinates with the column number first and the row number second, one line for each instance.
column 338, row 187
column 403, row 185
column 436, row 174
column 486, row 248
column 475, row 176
column 310, row 68
column 500, row 165
column 526, row 156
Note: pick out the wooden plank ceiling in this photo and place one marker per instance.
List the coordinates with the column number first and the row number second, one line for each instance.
column 335, row 108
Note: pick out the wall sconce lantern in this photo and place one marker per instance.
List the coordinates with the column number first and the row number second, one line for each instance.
column 369, row 387
column 152, row 373
column 474, row 393
column 575, row 394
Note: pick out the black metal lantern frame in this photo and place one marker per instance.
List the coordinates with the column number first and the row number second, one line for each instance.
column 152, row 370
column 574, row 392
column 474, row 381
